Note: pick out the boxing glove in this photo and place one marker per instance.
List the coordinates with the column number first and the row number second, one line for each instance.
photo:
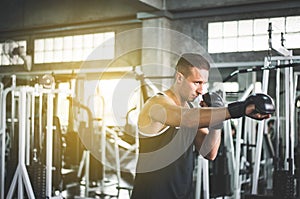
column 213, row 99
column 263, row 104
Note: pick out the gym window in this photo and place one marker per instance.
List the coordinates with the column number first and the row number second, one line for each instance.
column 87, row 47
column 252, row 34
column 8, row 55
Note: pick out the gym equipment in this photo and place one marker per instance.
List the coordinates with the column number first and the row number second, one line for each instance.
column 220, row 176
column 285, row 64
column 27, row 168
column 21, row 174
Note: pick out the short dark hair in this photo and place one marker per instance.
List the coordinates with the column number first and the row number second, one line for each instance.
column 190, row 60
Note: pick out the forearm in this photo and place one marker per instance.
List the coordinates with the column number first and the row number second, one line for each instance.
column 204, row 117
column 208, row 143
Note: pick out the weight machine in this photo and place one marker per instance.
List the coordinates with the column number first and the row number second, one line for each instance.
column 108, row 151
column 23, row 103
column 283, row 177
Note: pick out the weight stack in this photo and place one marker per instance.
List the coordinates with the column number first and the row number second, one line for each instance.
column 283, row 184
column 37, row 175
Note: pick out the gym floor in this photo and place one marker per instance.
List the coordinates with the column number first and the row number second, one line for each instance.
column 110, row 189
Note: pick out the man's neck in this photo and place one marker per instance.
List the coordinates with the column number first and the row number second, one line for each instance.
column 174, row 95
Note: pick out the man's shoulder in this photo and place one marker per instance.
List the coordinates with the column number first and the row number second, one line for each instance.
column 160, row 98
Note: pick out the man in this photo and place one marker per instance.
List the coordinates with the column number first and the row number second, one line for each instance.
column 170, row 130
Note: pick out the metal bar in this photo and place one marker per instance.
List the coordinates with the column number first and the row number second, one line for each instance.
column 21, row 170
column 277, row 118
column 103, row 145
column 49, row 149
column 205, row 179
column 3, row 137
column 117, row 159
column 237, row 185
column 292, row 121
column 27, row 127
column 87, row 173
column 32, row 120
column 22, row 144
column 13, row 107
column 287, row 116
column 265, row 84
column 199, row 176
column 2, row 158
column 41, row 121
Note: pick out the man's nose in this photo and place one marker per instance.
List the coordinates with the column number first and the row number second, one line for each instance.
column 199, row 89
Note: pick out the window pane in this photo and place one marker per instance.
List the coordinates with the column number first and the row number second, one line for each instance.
column 67, row 55
column 230, row 44
column 215, row 30
column 38, row 57
column 49, row 44
column 108, row 53
column 260, row 42
column 276, row 39
column 39, row 45
column 88, row 54
column 215, row 45
column 293, row 24
column 109, row 35
column 245, row 27
column 245, row 43
column 230, row 29
column 77, row 42
column 58, row 56
column 74, row 48
column 261, row 26
column 68, row 41
column 77, row 55
column 58, row 43
column 292, row 40
column 88, row 41
column 98, row 39
column 6, row 47
column 48, row 56
column 247, row 35
column 277, row 25
column 5, row 60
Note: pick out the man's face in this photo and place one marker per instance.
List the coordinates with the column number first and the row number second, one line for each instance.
column 194, row 85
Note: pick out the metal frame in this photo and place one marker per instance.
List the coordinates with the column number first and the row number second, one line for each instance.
column 21, row 175
column 289, row 118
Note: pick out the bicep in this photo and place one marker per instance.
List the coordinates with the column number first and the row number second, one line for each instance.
column 162, row 111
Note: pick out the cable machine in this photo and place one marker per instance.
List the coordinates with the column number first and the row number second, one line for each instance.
column 283, row 177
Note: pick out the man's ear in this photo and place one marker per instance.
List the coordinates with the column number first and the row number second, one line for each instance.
column 179, row 76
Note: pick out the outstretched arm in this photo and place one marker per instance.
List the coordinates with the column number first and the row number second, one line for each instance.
column 161, row 110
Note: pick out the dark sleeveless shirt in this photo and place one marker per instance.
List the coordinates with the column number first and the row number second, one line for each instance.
column 172, row 179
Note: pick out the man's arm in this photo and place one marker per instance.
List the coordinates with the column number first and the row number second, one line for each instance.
column 161, row 110
column 207, row 142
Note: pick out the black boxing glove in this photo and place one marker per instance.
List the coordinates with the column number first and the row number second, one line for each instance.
column 213, row 99
column 263, row 104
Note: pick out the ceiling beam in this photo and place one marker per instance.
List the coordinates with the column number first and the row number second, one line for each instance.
column 158, row 4
column 220, row 11
column 237, row 9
